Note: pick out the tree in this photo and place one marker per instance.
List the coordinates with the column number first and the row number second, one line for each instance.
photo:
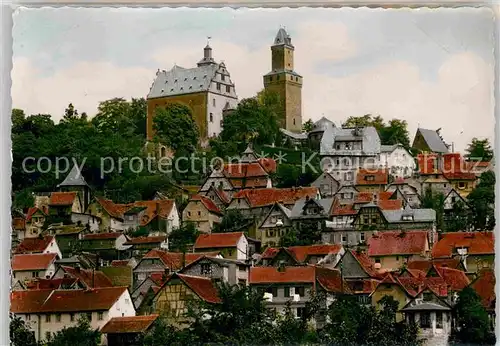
column 114, row 116
column 308, row 126
column 241, row 318
column 459, row 218
column 180, row 238
column 162, row 333
column 18, row 118
column 479, row 150
column 20, row 334
column 80, row 335
column 174, row 126
column 232, row 221
column 70, row 114
column 482, row 202
column 472, row 322
column 435, row 200
column 303, row 233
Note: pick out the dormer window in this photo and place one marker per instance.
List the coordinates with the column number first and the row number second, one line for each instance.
column 407, row 217
column 370, row 178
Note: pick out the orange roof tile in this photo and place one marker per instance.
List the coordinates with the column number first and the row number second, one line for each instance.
column 484, row 285
column 302, row 252
column 33, row 210
column 268, row 275
column 119, row 263
column 62, row 198
column 130, row 324
column 146, row 240
column 264, row 197
column 91, row 278
column 397, row 243
column 268, row 164
column 58, row 301
column 425, row 265
column 366, row 263
column 390, row 204
column 478, row 243
column 456, row 279
column 380, row 177
column 207, row 202
column 347, row 209
column 218, row 240
column 202, row 286
column 18, row 223
column 244, row 170
column 34, row 245
column 43, row 284
column 173, row 260
column 39, row 261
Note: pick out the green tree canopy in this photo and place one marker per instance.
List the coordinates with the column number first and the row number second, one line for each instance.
column 20, row 334
column 479, row 150
column 308, row 126
column 232, row 221
column 180, row 238
column 482, row 202
column 174, row 126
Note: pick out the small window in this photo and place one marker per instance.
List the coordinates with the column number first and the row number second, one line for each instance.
column 58, row 317
column 294, row 121
column 28, row 317
column 34, row 274
column 100, row 316
column 344, row 238
column 300, row 312
column 199, row 213
column 425, row 319
column 89, row 316
column 278, row 77
column 228, row 88
column 377, row 260
column 47, row 318
column 189, row 213
column 211, row 117
column 206, row 269
column 296, row 79
column 218, row 86
column 222, row 77
column 300, row 291
column 72, row 317
column 362, row 236
column 213, row 101
column 271, row 78
column 287, row 292
column 427, row 296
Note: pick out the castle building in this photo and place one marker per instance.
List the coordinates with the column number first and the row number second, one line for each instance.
column 285, row 82
column 207, row 90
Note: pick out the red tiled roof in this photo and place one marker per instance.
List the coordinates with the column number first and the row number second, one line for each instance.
column 39, row 261
column 218, row 240
column 159, row 278
column 146, row 240
column 390, row 204
column 454, row 278
column 62, row 198
column 173, row 260
column 425, row 265
column 161, row 208
column 267, row 275
column 91, row 278
column 34, row 245
column 222, row 195
column 397, row 243
column 460, row 176
column 380, row 177
column 110, row 235
column 57, row 301
column 426, row 164
column 44, row 284
column 207, row 202
column 302, row 252
column 347, row 209
column 33, row 210
column 264, row 197
column 244, row 170
column 366, row 263
column 478, row 243
column 202, row 286
column 484, row 285
column 270, row 253
column 130, row 324
column 268, row 164
column 18, row 223
column 114, row 210
column 331, row 280
column 119, row 263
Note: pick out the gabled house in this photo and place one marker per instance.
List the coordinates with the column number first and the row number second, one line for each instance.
column 409, row 218
column 407, row 191
column 65, row 283
column 63, row 204
column 18, row 226
column 158, row 261
column 127, row 331
column 307, row 211
column 172, row 298
column 46, row 312
column 476, row 249
column 457, row 172
column 232, row 245
column 143, row 294
column 346, row 194
column 203, row 212
column 397, row 160
column 41, row 244
column 326, row 184
column 372, row 180
column 108, row 246
column 35, row 219
column 425, row 265
column 393, row 249
column 324, row 254
column 28, row 266
column 274, row 225
column 220, row 198
column 141, row 245
column 75, row 182
column 90, row 278
column 219, row 269
column 429, row 141
column 340, row 229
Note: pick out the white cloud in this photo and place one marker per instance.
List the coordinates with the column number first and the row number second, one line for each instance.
column 461, row 99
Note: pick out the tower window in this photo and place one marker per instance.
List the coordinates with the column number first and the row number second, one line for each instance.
column 213, row 102
column 222, row 77
column 296, row 79
column 211, row 117
column 218, row 86
column 291, row 77
column 294, row 121
column 277, row 77
column 228, row 88
column 271, row 78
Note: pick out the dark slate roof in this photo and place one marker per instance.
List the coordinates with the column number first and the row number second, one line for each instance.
column 429, row 306
column 74, row 178
column 282, row 37
column 434, row 141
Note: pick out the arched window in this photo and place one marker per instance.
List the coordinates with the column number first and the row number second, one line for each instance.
column 163, row 151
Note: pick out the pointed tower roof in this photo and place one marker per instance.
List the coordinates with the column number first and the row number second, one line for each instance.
column 207, row 57
column 249, row 155
column 74, row 178
column 282, row 38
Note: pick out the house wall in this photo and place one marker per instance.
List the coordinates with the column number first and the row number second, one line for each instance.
column 53, row 248
column 28, row 275
column 395, row 262
column 399, row 161
column 392, row 290
column 196, row 212
column 215, row 105
column 174, row 219
column 326, row 185
column 172, row 299
column 474, row 263
column 86, row 219
column 147, row 266
column 279, row 301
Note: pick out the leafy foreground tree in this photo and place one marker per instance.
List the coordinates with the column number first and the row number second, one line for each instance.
column 180, row 238
column 472, row 322
column 20, row 334
column 479, row 150
column 435, row 200
column 80, row 335
column 305, row 233
column 174, row 125
column 308, row 126
column 232, row 221
column 353, row 324
column 482, row 203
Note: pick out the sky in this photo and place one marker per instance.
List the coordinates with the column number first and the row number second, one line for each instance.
column 432, row 68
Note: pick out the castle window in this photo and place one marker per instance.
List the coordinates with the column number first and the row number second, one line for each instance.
column 175, row 81
column 211, row 117
column 185, row 79
column 190, row 87
column 213, row 102
column 228, row 88
column 271, row 78
column 222, row 77
column 291, row 77
column 294, row 121
column 218, row 86
column 277, row 77
column 296, row 79
column 194, row 78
